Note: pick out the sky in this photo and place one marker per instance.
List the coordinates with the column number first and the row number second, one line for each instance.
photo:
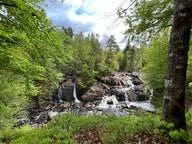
column 97, row 16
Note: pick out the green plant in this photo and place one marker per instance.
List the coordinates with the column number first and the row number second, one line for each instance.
column 189, row 125
column 8, row 135
column 179, row 136
column 111, row 128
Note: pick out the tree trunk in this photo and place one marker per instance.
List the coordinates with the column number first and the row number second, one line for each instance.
column 174, row 93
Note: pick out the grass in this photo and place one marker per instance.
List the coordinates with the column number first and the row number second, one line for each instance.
column 140, row 127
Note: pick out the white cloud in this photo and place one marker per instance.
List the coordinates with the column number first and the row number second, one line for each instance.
column 98, row 16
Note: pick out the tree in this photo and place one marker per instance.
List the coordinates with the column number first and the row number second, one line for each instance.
column 155, row 57
column 112, row 44
column 174, row 93
column 129, row 58
column 68, row 31
column 30, row 47
column 112, row 49
column 145, row 18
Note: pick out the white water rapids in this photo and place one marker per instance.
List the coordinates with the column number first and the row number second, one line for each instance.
column 146, row 105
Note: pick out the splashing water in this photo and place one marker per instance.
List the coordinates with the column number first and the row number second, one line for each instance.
column 75, row 93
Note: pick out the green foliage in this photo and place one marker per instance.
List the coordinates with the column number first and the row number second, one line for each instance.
column 87, row 59
column 155, row 57
column 119, row 129
column 179, row 136
column 34, row 55
column 111, row 61
column 112, row 58
column 111, row 44
column 87, row 77
column 10, row 134
column 189, row 125
column 13, row 100
column 62, row 129
column 145, row 18
column 132, row 58
column 84, row 58
column 29, row 49
column 114, row 129
column 189, row 75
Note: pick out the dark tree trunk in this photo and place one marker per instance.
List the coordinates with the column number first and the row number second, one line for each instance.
column 174, row 93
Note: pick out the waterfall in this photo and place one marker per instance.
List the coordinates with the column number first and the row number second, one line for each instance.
column 60, row 94
column 75, row 93
column 126, row 97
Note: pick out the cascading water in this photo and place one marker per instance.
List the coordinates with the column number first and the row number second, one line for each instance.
column 75, row 93
column 60, row 94
column 130, row 84
column 126, row 97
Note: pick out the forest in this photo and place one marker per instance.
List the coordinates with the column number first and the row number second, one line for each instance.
column 37, row 58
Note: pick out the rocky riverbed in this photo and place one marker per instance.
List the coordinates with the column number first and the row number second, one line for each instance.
column 120, row 94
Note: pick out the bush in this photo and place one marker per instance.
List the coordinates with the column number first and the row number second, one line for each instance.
column 107, row 129
column 179, row 136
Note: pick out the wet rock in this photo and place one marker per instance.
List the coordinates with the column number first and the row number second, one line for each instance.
column 65, row 105
column 134, row 74
column 52, row 114
column 110, row 102
column 137, row 81
column 89, row 106
column 64, row 92
column 111, row 81
column 142, row 93
column 133, row 107
column 94, row 93
column 131, row 94
column 126, row 94
column 120, row 95
column 105, row 86
column 124, row 105
column 67, row 90
column 21, row 122
column 116, row 93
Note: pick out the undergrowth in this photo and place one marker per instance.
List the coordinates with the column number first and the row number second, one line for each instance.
column 69, row 128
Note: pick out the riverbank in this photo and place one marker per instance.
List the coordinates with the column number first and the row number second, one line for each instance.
column 140, row 127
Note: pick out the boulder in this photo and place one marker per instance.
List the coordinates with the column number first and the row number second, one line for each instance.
column 142, row 93
column 67, row 90
column 110, row 102
column 96, row 92
column 112, row 81
column 131, row 94
column 119, row 84
column 52, row 114
column 120, row 95
column 137, row 81
column 126, row 94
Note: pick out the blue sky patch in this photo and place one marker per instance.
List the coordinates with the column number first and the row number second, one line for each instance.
column 80, row 11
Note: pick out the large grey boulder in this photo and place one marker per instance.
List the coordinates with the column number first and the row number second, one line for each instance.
column 96, row 92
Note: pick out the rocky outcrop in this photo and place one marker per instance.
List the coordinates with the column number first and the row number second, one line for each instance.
column 65, row 91
column 96, row 92
column 119, row 94
column 125, row 86
column 141, row 92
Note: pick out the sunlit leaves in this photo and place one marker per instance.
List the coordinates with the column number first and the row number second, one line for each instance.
column 156, row 61
column 30, row 49
column 145, row 18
